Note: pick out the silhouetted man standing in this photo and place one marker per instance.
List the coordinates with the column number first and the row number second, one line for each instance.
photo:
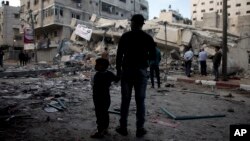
column 216, row 63
column 134, row 51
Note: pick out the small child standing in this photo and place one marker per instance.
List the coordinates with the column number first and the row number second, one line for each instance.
column 101, row 83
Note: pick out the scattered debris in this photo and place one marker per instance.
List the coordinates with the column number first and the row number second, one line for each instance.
column 189, row 117
column 229, row 96
column 230, row 110
column 20, row 96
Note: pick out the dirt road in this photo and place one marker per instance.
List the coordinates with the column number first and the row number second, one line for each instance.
column 77, row 121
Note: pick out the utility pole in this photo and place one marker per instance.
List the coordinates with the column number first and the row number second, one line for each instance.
column 224, row 49
column 33, row 32
column 165, row 24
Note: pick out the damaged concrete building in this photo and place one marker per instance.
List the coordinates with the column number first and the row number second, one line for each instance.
column 170, row 36
column 52, row 18
column 208, row 14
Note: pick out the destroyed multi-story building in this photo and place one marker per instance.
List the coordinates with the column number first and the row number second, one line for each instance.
column 9, row 26
column 52, row 18
column 208, row 15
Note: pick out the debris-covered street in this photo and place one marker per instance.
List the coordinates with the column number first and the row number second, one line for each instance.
column 60, row 107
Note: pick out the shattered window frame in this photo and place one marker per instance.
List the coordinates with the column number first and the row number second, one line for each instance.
column 108, row 8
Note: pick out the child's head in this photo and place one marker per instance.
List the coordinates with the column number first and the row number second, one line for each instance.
column 101, row 64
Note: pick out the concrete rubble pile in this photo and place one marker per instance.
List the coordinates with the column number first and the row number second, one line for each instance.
column 168, row 36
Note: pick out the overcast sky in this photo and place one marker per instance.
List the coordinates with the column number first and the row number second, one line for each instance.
column 155, row 6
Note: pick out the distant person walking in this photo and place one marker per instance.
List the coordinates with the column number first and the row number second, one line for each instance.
column 135, row 49
column 203, row 61
column 188, row 56
column 21, row 57
column 216, row 62
column 154, row 68
column 1, row 57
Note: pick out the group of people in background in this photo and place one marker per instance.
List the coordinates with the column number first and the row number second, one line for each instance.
column 24, row 58
column 202, row 58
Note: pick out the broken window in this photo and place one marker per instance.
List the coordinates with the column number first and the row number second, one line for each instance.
column 61, row 12
column 194, row 4
column 203, row 3
column 238, row 5
column 36, row 2
column 194, row 12
column 211, row 2
column 17, row 16
column 211, row 9
column 77, row 16
column 55, row 33
column 248, row 12
column 28, row 5
column 203, row 10
column 108, row 8
column 248, row 3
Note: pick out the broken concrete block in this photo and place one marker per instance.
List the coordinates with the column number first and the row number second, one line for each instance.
column 173, row 35
column 186, row 36
column 93, row 18
column 175, row 55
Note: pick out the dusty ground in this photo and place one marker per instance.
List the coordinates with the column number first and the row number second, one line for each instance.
column 77, row 122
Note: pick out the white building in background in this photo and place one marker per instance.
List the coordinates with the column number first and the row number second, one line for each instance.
column 10, row 25
column 235, row 8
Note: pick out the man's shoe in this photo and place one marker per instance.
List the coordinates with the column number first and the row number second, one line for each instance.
column 141, row 132
column 97, row 135
column 122, row 131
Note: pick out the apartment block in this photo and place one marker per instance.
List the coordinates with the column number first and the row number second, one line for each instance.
column 235, row 8
column 52, row 18
column 9, row 25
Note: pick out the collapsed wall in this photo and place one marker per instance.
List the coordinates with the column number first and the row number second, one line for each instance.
column 168, row 36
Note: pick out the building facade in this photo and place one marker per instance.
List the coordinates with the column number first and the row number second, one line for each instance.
column 10, row 26
column 171, row 16
column 52, row 18
column 235, row 8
